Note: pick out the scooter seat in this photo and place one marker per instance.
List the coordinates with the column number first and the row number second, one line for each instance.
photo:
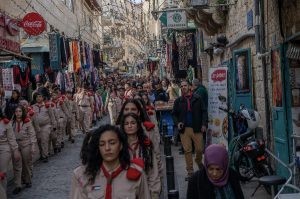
column 272, row 180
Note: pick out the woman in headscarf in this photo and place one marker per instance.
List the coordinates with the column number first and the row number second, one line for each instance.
column 216, row 180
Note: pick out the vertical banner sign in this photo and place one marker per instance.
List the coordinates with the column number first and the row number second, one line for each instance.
column 54, row 48
column 217, row 98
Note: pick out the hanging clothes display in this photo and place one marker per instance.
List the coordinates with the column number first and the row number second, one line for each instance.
column 96, row 57
column 7, row 77
column 54, row 51
column 76, row 56
column 83, row 53
column 91, row 59
column 21, row 75
column 88, row 57
column 63, row 53
column 1, row 78
column 70, row 58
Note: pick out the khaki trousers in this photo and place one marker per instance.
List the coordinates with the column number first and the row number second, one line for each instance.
column 71, row 126
column 186, row 139
column 61, row 130
column 86, row 118
column 22, row 168
column 5, row 158
column 45, row 139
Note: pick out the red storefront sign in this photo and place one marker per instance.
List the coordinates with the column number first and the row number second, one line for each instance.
column 33, row 24
column 9, row 34
column 219, row 75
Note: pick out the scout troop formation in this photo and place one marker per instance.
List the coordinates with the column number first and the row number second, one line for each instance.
column 40, row 129
column 121, row 160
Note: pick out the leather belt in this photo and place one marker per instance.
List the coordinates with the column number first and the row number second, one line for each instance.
column 83, row 106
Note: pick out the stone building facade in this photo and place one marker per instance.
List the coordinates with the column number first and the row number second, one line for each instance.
column 74, row 18
column 273, row 40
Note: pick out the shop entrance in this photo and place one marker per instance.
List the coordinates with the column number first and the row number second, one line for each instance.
column 240, row 76
column 239, row 82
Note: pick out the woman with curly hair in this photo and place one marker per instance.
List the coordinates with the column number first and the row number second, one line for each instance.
column 140, row 146
column 26, row 139
column 107, row 171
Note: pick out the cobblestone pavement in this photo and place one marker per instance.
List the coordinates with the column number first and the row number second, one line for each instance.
column 52, row 180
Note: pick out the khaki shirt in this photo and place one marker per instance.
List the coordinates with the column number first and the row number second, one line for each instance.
column 44, row 115
column 60, row 109
column 122, row 187
column 72, row 107
column 84, row 100
column 26, row 135
column 7, row 137
column 153, row 177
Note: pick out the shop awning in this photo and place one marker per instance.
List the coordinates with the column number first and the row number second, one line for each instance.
column 7, row 55
column 35, row 45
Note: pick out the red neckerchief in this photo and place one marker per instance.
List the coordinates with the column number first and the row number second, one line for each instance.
column 40, row 105
column 134, row 148
column 109, row 179
column 18, row 121
column 188, row 99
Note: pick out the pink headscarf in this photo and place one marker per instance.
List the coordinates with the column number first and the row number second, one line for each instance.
column 216, row 154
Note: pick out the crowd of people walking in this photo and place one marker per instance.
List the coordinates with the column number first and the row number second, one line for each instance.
column 118, row 160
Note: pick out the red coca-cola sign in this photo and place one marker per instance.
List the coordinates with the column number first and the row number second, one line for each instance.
column 33, row 24
column 218, row 75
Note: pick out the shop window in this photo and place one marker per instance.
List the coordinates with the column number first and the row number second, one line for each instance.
column 276, row 78
column 242, row 64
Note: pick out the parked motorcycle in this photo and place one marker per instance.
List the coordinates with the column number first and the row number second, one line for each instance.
column 247, row 154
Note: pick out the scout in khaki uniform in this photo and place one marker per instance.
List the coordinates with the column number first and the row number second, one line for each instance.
column 47, row 124
column 73, row 110
column 85, row 105
column 112, row 103
column 134, row 106
column 26, row 139
column 61, row 114
column 8, row 147
column 140, row 146
column 117, row 177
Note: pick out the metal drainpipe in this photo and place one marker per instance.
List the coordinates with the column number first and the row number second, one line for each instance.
column 257, row 26
column 265, row 74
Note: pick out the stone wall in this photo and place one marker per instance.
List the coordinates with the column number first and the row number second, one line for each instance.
column 235, row 27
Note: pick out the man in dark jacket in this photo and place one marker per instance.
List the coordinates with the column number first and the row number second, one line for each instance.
column 190, row 116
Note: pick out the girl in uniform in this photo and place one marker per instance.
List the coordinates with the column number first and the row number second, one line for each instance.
column 26, row 139
column 140, row 146
column 8, row 147
column 134, row 106
column 107, row 171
